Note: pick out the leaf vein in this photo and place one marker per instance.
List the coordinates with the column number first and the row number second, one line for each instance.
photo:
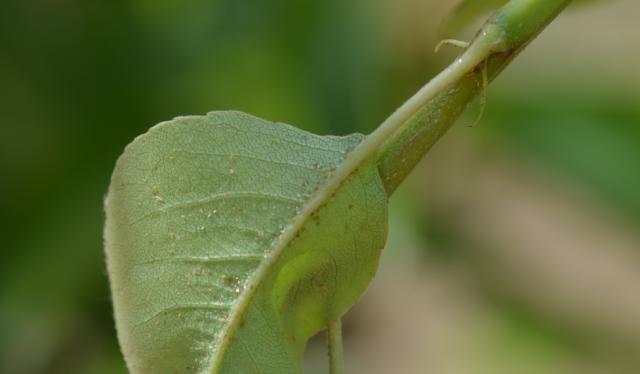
column 185, row 307
column 204, row 259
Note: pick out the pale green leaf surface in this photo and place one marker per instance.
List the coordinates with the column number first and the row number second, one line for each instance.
column 226, row 250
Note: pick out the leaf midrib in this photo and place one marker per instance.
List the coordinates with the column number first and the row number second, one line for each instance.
column 366, row 149
column 353, row 160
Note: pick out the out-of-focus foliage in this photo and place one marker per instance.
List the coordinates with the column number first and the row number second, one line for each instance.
column 80, row 79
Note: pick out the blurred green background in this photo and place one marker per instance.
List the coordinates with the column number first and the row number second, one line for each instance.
column 514, row 247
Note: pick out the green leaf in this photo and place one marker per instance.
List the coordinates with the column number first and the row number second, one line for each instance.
column 231, row 241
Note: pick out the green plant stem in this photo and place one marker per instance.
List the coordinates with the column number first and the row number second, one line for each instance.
column 414, row 127
column 336, row 353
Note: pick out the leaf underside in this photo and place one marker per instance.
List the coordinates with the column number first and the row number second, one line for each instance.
column 226, row 248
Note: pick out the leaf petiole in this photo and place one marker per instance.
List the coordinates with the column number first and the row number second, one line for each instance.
column 336, row 352
column 409, row 132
